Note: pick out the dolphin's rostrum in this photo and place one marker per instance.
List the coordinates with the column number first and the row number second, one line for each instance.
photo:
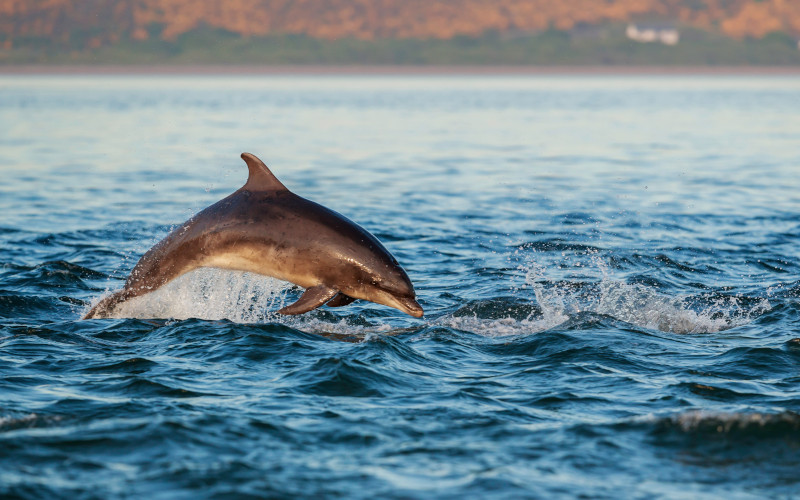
column 264, row 228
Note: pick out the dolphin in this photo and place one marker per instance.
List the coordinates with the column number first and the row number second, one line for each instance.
column 266, row 229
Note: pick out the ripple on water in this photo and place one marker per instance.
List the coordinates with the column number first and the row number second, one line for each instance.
column 602, row 315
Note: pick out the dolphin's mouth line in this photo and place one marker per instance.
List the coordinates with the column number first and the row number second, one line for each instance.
column 410, row 306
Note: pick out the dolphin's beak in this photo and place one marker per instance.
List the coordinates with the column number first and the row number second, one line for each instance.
column 410, row 306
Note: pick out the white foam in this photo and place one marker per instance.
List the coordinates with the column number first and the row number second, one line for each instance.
column 240, row 297
column 633, row 303
column 639, row 304
column 340, row 327
column 17, row 421
column 502, row 327
column 211, row 294
column 26, row 421
column 643, row 306
column 215, row 294
column 726, row 422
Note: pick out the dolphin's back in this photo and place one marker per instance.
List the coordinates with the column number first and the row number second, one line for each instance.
column 258, row 232
column 182, row 250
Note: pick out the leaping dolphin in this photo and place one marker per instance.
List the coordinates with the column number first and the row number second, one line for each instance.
column 264, row 228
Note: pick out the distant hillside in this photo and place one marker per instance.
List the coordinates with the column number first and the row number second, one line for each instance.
column 74, row 30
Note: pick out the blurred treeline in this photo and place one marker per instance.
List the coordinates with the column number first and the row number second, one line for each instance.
column 533, row 32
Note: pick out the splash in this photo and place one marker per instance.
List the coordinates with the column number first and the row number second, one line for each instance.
column 341, row 329
column 504, row 327
column 643, row 306
column 241, row 297
column 211, row 294
column 639, row 304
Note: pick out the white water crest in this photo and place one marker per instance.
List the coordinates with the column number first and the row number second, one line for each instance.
column 638, row 304
column 502, row 327
column 211, row 294
column 241, row 297
column 726, row 422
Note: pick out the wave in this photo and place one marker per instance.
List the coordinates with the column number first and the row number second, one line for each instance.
column 558, row 303
column 241, row 297
column 56, row 274
column 15, row 421
column 784, row 426
column 639, row 304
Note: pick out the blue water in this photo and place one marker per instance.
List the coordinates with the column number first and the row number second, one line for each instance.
column 610, row 268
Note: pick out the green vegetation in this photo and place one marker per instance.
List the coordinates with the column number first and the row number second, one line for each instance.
column 605, row 45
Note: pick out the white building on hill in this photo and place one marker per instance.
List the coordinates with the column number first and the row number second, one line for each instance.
column 668, row 35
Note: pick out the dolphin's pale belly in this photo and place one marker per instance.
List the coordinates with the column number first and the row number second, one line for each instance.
column 265, row 261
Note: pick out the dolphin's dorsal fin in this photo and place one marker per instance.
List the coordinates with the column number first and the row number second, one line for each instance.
column 260, row 178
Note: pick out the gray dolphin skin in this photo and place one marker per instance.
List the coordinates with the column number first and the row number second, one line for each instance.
column 266, row 229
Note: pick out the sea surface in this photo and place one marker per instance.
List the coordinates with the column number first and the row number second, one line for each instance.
column 609, row 265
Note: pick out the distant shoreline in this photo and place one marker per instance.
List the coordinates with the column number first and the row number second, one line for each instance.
column 213, row 69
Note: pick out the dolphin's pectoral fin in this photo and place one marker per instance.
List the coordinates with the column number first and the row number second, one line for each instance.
column 340, row 300
column 311, row 299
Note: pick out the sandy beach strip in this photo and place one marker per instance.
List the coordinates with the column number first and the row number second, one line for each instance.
column 212, row 69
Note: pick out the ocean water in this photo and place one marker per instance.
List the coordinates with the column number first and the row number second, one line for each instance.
column 609, row 265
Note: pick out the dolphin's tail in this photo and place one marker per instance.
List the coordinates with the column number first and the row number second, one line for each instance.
column 103, row 308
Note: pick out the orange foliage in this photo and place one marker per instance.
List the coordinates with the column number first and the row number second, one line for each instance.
column 368, row 19
column 754, row 20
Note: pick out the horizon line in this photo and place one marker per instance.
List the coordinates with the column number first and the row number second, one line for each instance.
column 389, row 69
